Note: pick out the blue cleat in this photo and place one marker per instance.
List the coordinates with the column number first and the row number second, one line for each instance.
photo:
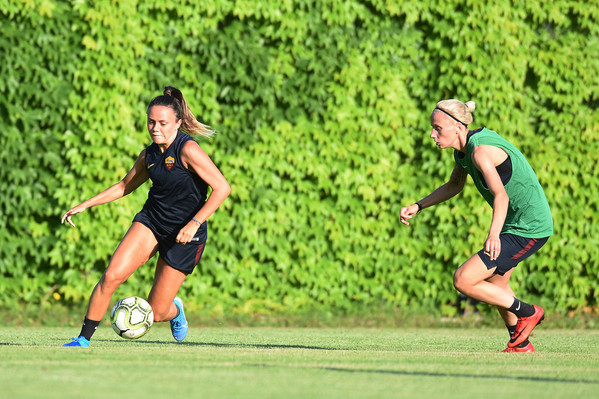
column 78, row 342
column 179, row 324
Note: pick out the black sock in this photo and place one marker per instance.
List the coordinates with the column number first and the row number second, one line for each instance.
column 521, row 309
column 89, row 328
column 511, row 329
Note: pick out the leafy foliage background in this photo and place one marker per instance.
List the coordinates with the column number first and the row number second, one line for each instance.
column 322, row 109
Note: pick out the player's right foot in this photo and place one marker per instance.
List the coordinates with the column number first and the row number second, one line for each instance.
column 525, row 326
column 528, row 348
column 78, row 342
column 179, row 324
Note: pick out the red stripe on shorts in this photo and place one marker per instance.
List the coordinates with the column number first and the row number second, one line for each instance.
column 527, row 248
column 199, row 253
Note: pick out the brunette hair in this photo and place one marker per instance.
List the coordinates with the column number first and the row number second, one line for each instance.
column 173, row 98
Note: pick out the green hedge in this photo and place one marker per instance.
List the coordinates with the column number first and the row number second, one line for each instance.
column 322, row 109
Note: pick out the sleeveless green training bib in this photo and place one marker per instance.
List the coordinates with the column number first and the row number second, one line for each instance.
column 528, row 213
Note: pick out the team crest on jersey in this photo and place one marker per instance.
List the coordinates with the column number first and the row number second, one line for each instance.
column 169, row 162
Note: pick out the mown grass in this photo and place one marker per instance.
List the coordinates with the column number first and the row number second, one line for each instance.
column 64, row 315
column 299, row 363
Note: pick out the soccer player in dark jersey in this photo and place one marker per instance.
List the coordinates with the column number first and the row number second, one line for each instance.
column 521, row 222
column 172, row 222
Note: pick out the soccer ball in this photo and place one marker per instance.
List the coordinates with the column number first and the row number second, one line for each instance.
column 131, row 317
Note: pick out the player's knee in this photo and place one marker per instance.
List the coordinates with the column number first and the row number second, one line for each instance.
column 110, row 281
column 459, row 281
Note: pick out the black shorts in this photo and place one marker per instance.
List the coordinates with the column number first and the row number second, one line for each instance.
column 514, row 249
column 178, row 256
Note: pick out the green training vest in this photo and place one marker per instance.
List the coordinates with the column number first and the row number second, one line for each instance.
column 528, row 213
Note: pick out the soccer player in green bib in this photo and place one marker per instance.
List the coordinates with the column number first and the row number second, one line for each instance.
column 521, row 222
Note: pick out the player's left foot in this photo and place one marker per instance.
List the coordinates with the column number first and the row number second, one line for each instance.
column 525, row 326
column 78, row 342
column 179, row 324
column 528, row 348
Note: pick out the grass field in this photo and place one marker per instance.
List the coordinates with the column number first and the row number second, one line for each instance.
column 298, row 363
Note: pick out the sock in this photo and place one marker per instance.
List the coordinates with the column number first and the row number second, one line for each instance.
column 89, row 328
column 511, row 329
column 521, row 309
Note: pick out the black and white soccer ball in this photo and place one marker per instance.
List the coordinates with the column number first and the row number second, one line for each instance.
column 131, row 317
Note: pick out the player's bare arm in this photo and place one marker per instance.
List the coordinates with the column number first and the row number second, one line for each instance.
column 135, row 178
column 486, row 159
column 454, row 186
column 196, row 160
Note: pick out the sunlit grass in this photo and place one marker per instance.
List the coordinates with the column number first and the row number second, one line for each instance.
column 298, row 363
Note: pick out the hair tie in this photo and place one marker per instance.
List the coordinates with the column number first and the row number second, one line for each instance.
column 451, row 116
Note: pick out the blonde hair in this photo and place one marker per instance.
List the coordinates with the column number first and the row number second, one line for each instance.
column 457, row 110
column 173, row 98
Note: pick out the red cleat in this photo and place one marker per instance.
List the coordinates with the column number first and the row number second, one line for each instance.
column 525, row 326
column 520, row 349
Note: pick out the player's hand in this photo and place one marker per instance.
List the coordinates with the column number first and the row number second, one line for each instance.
column 187, row 233
column 73, row 211
column 493, row 246
column 408, row 212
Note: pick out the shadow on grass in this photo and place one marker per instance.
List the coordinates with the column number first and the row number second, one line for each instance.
column 451, row 375
column 221, row 345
